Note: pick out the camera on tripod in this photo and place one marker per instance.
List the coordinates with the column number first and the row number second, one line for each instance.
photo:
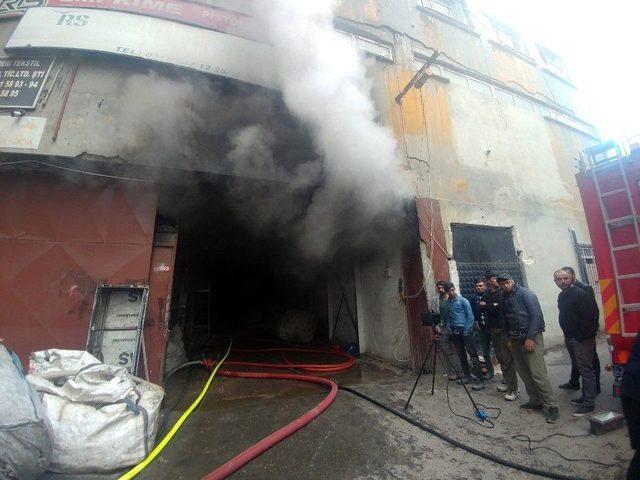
column 431, row 319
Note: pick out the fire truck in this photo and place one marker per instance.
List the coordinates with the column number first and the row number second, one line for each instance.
column 609, row 184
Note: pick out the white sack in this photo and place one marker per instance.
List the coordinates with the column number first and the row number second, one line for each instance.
column 25, row 446
column 101, row 417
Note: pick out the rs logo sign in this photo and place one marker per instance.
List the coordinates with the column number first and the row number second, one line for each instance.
column 73, row 20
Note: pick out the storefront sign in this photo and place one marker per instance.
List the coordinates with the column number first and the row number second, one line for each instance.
column 146, row 38
column 22, row 79
column 197, row 14
column 10, row 8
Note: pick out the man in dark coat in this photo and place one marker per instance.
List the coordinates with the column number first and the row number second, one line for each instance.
column 490, row 307
column 522, row 320
column 576, row 320
column 574, row 381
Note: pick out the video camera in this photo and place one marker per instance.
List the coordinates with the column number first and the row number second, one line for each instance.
column 431, row 319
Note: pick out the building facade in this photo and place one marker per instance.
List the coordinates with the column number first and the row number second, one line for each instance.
column 115, row 145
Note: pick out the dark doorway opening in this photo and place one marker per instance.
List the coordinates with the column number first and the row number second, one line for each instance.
column 231, row 280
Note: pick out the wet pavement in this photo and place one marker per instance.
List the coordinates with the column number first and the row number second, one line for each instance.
column 354, row 439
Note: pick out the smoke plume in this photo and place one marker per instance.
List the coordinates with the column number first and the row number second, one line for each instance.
column 324, row 85
column 335, row 178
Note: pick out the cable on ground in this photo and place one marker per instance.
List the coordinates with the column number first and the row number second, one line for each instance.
column 454, row 442
column 526, row 438
column 486, row 420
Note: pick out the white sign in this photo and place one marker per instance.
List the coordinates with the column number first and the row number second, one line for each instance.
column 147, row 38
column 119, row 346
column 21, row 132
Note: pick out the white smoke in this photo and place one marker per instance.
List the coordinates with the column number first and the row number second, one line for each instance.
column 324, row 84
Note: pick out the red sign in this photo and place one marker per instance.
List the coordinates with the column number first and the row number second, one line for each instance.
column 211, row 18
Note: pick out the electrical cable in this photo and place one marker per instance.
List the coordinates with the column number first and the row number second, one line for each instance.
column 481, row 75
column 479, row 409
column 167, row 438
column 74, row 170
column 485, row 419
column 526, row 438
column 487, row 456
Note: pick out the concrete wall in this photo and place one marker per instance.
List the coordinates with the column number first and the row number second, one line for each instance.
column 381, row 315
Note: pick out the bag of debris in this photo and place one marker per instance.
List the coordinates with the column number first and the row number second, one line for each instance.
column 25, row 445
column 102, row 418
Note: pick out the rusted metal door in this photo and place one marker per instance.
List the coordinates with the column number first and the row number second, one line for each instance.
column 59, row 238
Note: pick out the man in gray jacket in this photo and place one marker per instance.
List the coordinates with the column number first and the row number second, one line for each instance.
column 522, row 320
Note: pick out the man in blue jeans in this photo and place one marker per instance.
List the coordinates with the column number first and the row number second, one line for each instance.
column 460, row 321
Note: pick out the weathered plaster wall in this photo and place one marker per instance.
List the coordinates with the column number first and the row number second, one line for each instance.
column 488, row 162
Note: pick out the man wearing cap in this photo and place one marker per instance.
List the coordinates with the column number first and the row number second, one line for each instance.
column 522, row 320
column 490, row 306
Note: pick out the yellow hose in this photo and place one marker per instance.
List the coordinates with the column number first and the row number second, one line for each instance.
column 167, row 438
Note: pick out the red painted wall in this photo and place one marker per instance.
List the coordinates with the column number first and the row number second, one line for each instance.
column 59, row 238
column 431, row 233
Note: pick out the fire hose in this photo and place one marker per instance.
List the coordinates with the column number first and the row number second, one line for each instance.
column 267, row 442
column 257, row 449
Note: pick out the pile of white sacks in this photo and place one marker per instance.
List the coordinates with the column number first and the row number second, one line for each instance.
column 72, row 414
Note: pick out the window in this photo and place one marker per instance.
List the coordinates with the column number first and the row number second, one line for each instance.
column 509, row 37
column 456, row 77
column 552, row 60
column 449, row 8
column 524, row 103
column 377, row 49
column 504, row 97
column 480, row 86
column 543, row 111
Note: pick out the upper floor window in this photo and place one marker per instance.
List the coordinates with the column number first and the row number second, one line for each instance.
column 372, row 47
column 450, row 8
column 508, row 37
column 552, row 60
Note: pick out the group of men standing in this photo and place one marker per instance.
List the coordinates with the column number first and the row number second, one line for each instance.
column 506, row 317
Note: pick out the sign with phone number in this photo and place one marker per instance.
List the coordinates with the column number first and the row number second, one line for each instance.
column 22, row 79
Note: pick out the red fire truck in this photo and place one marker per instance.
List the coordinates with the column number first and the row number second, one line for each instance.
column 609, row 184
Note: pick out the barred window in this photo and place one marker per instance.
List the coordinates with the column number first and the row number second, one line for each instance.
column 450, row 8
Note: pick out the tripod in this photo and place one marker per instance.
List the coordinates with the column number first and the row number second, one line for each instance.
column 435, row 344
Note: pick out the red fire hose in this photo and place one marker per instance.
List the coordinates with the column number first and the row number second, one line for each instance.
column 257, row 449
column 252, row 452
column 347, row 364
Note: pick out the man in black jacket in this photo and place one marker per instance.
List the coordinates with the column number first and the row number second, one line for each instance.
column 484, row 336
column 574, row 381
column 576, row 320
column 522, row 320
column 631, row 406
column 490, row 307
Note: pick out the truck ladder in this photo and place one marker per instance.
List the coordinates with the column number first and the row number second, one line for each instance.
column 611, row 224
